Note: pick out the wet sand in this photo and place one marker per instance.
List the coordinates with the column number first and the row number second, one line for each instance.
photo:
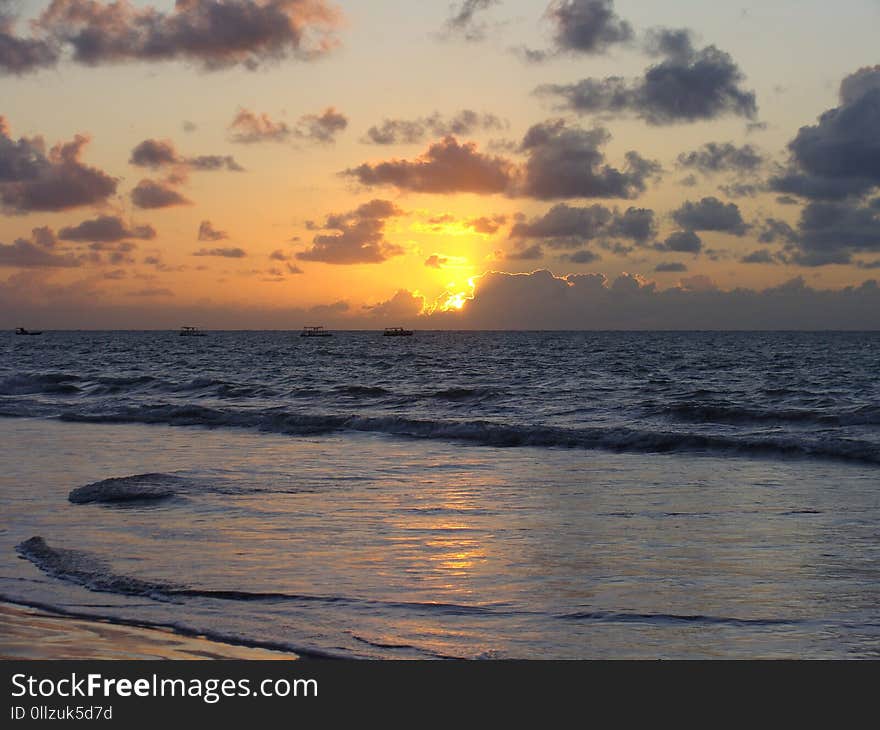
column 29, row 633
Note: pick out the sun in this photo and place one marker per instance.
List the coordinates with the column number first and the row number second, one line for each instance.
column 454, row 301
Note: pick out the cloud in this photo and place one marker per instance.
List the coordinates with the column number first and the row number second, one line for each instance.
column 463, row 20
column 36, row 252
column 565, row 226
column 250, row 128
column 839, row 156
column 561, row 162
column 159, row 153
column 670, row 266
column 567, row 162
column 228, row 253
column 436, row 261
column 151, row 292
column 710, row 214
column 486, row 225
column 358, row 236
column 156, row 194
column 20, row 55
column 207, row 232
column 32, row 179
column 540, row 300
column 321, row 128
column 760, row 256
column 688, row 85
column 831, row 232
column 530, row 253
column 587, row 26
column 413, row 131
column 403, row 305
column 105, row 229
column 214, row 34
column 682, row 241
column 715, row 157
column 446, row 167
column 584, row 257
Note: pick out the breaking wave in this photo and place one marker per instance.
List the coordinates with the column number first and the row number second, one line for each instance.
column 487, row 433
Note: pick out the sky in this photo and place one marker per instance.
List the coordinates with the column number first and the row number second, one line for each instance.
column 474, row 164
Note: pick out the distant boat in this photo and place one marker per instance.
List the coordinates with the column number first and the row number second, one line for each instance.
column 396, row 332
column 23, row 331
column 191, row 332
column 315, row 332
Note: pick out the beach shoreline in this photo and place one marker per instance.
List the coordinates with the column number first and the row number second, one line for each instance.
column 29, row 633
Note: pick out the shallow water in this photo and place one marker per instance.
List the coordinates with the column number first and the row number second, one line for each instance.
column 671, row 496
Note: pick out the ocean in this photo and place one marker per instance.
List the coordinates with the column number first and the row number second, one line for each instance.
column 452, row 494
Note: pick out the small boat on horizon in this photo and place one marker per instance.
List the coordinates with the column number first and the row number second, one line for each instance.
column 315, row 332
column 23, row 331
column 397, row 332
column 191, row 332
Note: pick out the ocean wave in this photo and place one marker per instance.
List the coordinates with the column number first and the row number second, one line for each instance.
column 487, row 433
column 673, row 618
column 89, row 571
column 40, row 383
column 735, row 414
column 467, row 394
column 138, row 487
column 94, row 573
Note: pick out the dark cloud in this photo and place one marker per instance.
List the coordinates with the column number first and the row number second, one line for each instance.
column 406, row 131
column 540, row 300
column 36, row 252
column 106, row 229
column 682, row 241
column 710, row 214
column 250, row 128
column 214, row 34
column 158, row 153
column 565, row 226
column 20, row 55
column 358, row 236
column 228, row 253
column 715, row 157
column 583, row 257
column 670, row 266
column 446, row 167
column 636, row 224
column 831, row 232
column 838, row 157
column 688, row 85
column 581, row 27
column 156, row 194
column 567, row 162
column 561, row 162
column 741, row 190
column 207, row 232
column 530, row 253
column 436, row 261
column 760, row 256
column 774, row 230
column 587, row 26
column 464, row 22
column 32, row 179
